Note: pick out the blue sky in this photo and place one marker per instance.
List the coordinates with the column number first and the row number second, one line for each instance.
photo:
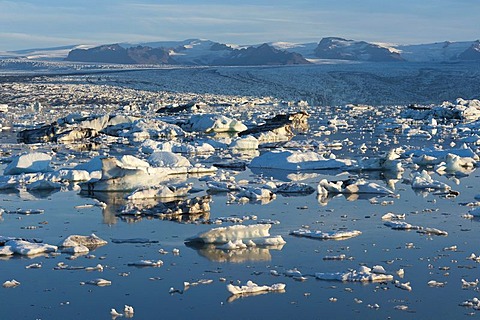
column 48, row 23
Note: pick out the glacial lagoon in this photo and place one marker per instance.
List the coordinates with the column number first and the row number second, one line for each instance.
column 438, row 258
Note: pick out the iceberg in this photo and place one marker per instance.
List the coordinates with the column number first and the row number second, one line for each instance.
column 363, row 274
column 297, row 160
column 213, row 123
column 27, row 248
column 351, row 186
column 317, row 234
column 29, row 163
column 252, row 287
column 258, row 234
column 91, row 241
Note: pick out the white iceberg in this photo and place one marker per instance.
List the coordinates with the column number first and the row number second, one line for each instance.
column 162, row 191
column 29, row 163
column 363, row 274
column 422, row 180
column 252, row 287
column 213, row 123
column 29, row 248
column 91, row 241
column 351, row 186
column 317, row 234
column 257, row 234
column 298, row 160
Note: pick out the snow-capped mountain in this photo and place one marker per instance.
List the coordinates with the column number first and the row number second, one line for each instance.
column 192, row 52
column 207, row 52
column 342, row 49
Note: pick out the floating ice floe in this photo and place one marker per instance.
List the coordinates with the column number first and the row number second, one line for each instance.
column 98, row 282
column 351, row 186
column 11, row 283
column 363, row 274
column 162, row 191
column 280, row 128
column 129, row 173
column 250, row 235
column 389, row 162
column 454, row 163
column 467, row 284
column 466, row 110
column 91, row 241
column 317, row 234
column 252, row 287
column 213, row 123
column 297, row 160
column 401, row 225
column 473, row 303
column 146, row 263
column 29, row 163
column 26, row 248
column 245, row 143
column 433, row 231
column 434, row 283
column 422, row 180
column 403, row 286
column 393, row 216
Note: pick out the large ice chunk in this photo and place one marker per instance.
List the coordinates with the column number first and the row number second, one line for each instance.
column 29, row 163
column 257, row 233
column 213, row 123
column 252, row 287
column 363, row 274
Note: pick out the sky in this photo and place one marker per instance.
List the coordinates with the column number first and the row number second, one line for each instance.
column 26, row 24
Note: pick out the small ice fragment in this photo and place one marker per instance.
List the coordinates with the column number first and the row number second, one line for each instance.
column 176, row 251
column 146, row 263
column 11, row 283
column 252, row 287
column 128, row 310
column 466, row 284
column 434, row 283
column 401, row 307
column 274, row 273
column 400, row 273
column 404, row 286
column 34, row 266
column 293, row 273
column 114, row 313
column 99, row 282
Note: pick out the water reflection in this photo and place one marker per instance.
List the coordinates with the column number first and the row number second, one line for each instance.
column 249, row 254
column 234, row 297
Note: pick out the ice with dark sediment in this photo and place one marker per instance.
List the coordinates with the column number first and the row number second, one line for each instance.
column 351, row 186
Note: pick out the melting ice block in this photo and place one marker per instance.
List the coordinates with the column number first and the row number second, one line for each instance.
column 29, row 163
column 257, row 234
column 213, row 123
column 91, row 241
column 29, row 248
column 317, row 234
column 351, row 186
column 298, row 160
column 252, row 287
column 363, row 274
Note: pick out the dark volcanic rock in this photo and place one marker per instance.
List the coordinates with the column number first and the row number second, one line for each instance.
column 112, row 53
column 262, row 55
column 290, row 122
column 116, row 54
column 342, row 49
